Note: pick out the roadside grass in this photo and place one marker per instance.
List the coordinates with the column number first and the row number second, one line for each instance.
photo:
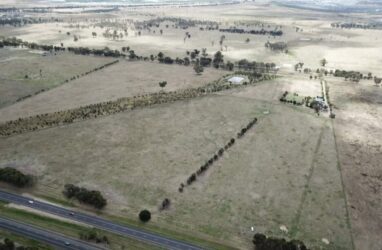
column 169, row 233
column 20, row 240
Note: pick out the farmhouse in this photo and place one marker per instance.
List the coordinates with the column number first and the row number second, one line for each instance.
column 236, row 80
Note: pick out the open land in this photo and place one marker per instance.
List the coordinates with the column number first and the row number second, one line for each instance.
column 294, row 175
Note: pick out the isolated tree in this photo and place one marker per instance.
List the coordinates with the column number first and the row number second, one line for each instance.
column 247, row 40
column 94, row 34
column 162, row 84
column 193, row 55
column 218, row 59
column 8, row 244
column 198, row 68
column 186, row 61
column 145, row 215
column 165, row 204
column 160, row 56
column 230, row 66
column 377, row 80
column 161, row 32
column 204, row 52
column 221, row 41
column 323, row 62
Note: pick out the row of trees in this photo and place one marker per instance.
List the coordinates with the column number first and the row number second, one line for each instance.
column 356, row 25
column 254, row 32
column 206, row 165
column 257, row 67
column 14, row 42
column 176, row 23
column 36, row 122
column 199, row 60
column 192, row 178
column 90, row 197
column 20, row 21
column 263, row 242
column 15, row 177
column 353, row 76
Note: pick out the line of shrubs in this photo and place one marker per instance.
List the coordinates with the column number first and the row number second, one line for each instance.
column 357, row 25
column 41, row 121
column 263, row 242
column 284, row 98
column 90, row 197
column 192, row 178
column 244, row 130
column 15, row 177
column 70, row 79
column 207, row 164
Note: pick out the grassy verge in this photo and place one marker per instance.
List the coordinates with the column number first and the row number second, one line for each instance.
column 20, row 240
column 207, row 244
column 67, row 228
column 57, row 201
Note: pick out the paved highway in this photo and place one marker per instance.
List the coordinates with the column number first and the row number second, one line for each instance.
column 53, row 239
column 98, row 222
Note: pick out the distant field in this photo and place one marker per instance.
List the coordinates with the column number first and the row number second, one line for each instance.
column 15, row 64
column 119, row 80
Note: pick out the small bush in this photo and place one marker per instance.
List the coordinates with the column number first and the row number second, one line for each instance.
column 261, row 242
column 145, row 215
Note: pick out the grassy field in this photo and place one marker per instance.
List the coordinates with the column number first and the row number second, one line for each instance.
column 318, row 178
column 15, row 64
column 359, row 140
column 120, row 80
column 144, row 155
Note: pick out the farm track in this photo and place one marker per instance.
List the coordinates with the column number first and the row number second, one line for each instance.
column 296, row 220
